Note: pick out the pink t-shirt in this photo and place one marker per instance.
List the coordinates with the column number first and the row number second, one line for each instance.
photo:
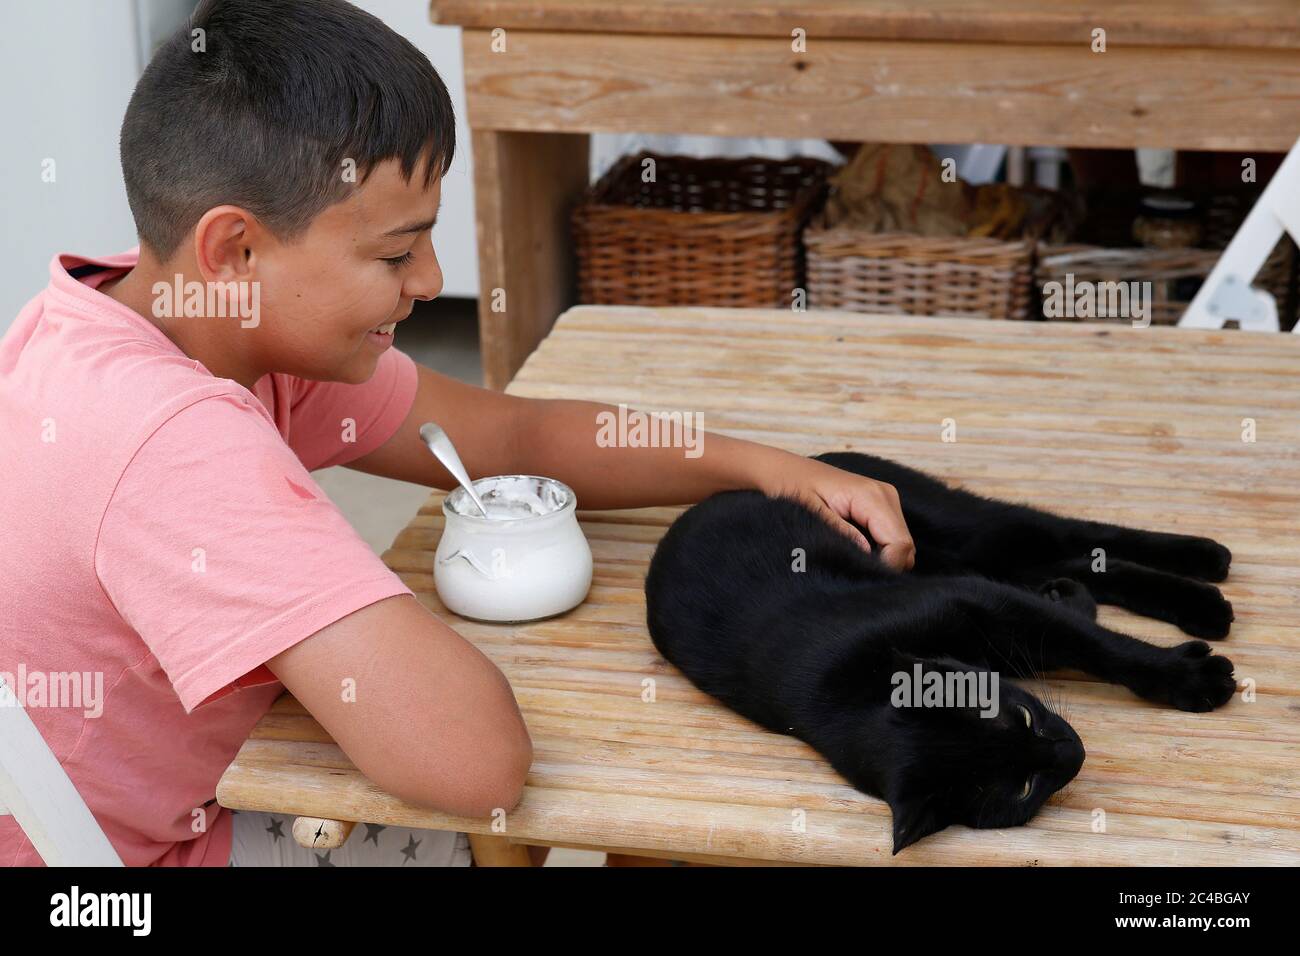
column 160, row 532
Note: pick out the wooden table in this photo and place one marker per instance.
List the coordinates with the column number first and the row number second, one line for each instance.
column 541, row 75
column 1101, row 421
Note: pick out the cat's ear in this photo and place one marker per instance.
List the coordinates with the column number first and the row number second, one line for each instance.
column 903, row 662
column 914, row 818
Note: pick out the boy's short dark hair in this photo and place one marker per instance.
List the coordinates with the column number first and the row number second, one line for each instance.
column 264, row 108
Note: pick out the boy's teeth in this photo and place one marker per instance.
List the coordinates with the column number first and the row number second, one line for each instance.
column 386, row 329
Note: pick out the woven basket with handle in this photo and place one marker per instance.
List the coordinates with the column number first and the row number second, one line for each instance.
column 700, row 232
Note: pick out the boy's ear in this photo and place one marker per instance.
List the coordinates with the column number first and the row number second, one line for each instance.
column 222, row 243
column 915, row 817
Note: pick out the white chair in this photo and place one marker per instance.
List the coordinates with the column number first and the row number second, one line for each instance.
column 1227, row 293
column 35, row 789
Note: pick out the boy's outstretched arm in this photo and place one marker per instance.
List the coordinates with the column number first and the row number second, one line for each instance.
column 498, row 434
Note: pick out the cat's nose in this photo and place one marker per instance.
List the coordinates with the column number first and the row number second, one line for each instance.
column 1070, row 754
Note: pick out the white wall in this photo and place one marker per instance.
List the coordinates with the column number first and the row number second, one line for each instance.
column 67, row 69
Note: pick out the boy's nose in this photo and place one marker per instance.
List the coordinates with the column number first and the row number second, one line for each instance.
column 425, row 282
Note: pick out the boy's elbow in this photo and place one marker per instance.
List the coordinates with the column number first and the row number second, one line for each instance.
column 508, row 789
column 501, row 785
column 497, row 784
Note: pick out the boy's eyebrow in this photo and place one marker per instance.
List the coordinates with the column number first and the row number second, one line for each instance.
column 422, row 226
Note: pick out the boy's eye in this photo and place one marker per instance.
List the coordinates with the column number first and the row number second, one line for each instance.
column 398, row 261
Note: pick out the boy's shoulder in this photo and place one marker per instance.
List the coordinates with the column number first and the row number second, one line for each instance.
column 81, row 372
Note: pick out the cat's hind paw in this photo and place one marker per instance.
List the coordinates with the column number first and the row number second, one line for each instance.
column 1204, row 612
column 1202, row 558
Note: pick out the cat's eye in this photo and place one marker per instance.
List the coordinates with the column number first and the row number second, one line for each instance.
column 1028, row 717
column 1029, row 786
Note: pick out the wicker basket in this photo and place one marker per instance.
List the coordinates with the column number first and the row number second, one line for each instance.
column 888, row 273
column 705, row 232
column 1174, row 274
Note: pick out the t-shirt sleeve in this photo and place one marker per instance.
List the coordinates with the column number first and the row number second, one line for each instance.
column 220, row 550
column 333, row 423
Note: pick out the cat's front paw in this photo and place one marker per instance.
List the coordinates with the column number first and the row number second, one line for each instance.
column 1193, row 679
column 1203, row 611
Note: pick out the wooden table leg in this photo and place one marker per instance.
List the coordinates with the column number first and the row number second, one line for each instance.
column 492, row 850
column 316, row 833
column 525, row 185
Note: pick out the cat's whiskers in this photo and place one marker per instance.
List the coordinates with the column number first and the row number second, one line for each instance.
column 979, row 816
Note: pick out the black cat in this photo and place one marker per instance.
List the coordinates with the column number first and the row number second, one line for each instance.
column 823, row 643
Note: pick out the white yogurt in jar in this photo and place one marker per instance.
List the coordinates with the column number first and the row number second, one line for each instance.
column 508, row 497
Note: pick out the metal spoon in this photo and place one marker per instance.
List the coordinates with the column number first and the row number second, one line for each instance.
column 445, row 452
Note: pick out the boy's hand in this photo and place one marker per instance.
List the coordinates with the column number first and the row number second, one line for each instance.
column 838, row 495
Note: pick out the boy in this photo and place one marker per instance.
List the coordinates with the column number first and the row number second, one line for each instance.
column 161, row 411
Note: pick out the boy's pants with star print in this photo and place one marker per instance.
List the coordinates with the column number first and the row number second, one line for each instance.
column 266, row 839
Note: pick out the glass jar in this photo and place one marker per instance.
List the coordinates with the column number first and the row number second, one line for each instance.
column 1168, row 222
column 528, row 559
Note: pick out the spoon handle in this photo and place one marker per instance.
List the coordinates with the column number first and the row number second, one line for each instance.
column 445, row 452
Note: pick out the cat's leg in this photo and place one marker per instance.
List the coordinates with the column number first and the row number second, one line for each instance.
column 1017, row 543
column 1177, row 554
column 1027, row 635
column 1002, row 540
column 1196, row 607
column 1158, row 575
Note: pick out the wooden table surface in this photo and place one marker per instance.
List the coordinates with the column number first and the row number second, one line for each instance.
column 1099, row 421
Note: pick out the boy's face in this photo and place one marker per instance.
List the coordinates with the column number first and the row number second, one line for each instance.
column 357, row 268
